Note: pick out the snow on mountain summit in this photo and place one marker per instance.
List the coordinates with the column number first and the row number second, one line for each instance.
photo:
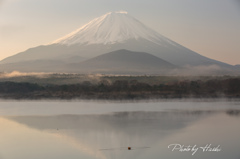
column 111, row 28
column 111, row 32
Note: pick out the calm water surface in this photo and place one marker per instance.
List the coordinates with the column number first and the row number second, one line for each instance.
column 181, row 129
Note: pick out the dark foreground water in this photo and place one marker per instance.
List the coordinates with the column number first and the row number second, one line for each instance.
column 104, row 130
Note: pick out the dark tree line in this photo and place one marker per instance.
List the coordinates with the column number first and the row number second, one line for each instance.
column 124, row 89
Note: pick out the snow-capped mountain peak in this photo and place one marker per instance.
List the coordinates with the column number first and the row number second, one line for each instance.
column 111, row 32
column 113, row 27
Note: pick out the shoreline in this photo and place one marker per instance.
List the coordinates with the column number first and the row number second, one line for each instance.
column 122, row 97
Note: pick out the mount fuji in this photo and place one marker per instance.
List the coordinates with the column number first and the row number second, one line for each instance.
column 108, row 33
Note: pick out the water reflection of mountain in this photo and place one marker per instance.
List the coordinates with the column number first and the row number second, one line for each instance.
column 108, row 135
column 116, row 129
column 121, row 121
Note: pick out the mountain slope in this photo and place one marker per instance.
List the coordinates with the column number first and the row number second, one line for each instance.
column 124, row 62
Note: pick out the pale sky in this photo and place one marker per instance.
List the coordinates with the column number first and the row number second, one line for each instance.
column 208, row 27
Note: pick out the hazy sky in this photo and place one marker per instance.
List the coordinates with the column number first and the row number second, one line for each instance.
column 209, row 27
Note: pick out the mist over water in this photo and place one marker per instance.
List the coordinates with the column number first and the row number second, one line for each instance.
column 56, row 107
column 19, row 74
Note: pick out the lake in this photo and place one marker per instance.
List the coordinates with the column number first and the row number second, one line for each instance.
column 174, row 129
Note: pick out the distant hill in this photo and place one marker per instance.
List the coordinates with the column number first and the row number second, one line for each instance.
column 237, row 66
column 123, row 62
